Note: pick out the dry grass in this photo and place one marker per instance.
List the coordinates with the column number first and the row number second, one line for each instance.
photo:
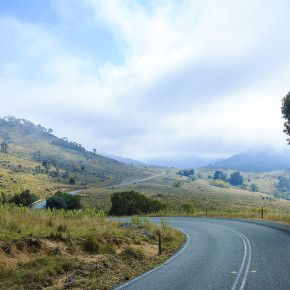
column 66, row 249
column 199, row 192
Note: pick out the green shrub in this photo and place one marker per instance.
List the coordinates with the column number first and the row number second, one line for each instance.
column 187, row 207
column 25, row 198
column 132, row 203
column 186, row 172
column 254, row 187
column 219, row 183
column 91, row 245
column 200, row 175
column 177, row 183
column 61, row 200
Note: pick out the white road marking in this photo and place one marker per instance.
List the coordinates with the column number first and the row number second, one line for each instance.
column 247, row 253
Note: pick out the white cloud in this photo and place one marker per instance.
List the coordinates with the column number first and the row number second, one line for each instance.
column 197, row 78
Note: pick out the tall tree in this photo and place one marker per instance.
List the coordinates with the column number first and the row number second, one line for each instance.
column 236, row 178
column 46, row 164
column 286, row 115
column 4, row 147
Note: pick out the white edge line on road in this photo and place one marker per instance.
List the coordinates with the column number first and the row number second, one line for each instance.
column 247, row 245
column 248, row 266
column 183, row 247
column 243, row 262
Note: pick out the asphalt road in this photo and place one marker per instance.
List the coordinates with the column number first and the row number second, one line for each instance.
column 223, row 254
column 135, row 181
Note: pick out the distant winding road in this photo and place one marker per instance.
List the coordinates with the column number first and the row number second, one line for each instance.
column 42, row 204
column 223, row 254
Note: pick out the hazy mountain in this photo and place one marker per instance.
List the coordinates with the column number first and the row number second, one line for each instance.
column 190, row 162
column 122, row 159
column 257, row 161
column 32, row 143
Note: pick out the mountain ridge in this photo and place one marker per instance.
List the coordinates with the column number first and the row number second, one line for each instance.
column 257, row 161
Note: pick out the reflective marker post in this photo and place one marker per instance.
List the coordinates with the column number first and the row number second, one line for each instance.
column 159, row 244
column 262, row 212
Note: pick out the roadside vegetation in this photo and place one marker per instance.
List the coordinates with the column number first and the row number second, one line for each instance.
column 72, row 249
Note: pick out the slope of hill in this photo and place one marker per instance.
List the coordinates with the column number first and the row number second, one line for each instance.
column 31, row 146
column 257, row 161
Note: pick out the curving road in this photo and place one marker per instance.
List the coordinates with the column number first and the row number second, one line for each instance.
column 223, row 254
column 42, row 204
column 131, row 182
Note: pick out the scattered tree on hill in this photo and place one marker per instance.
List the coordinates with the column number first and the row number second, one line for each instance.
column 177, row 183
column 72, row 181
column 286, row 114
column 4, row 147
column 132, row 202
column 186, row 172
column 283, row 188
column 200, row 175
column 64, row 200
column 193, row 177
column 236, row 178
column 65, row 175
column 25, row 198
column 220, row 175
column 254, row 187
column 46, row 164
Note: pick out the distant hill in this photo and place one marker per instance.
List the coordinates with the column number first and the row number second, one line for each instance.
column 29, row 145
column 257, row 161
column 123, row 159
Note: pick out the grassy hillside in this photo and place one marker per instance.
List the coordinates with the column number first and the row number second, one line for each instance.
column 29, row 145
column 217, row 201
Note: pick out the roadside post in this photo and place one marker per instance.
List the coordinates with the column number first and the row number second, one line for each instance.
column 206, row 212
column 159, row 244
column 262, row 212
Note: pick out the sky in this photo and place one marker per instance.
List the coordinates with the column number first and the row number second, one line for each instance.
column 163, row 82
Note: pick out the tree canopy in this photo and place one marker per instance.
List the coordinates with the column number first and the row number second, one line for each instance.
column 236, row 178
column 64, row 200
column 25, row 198
column 186, row 172
column 220, row 175
column 132, row 202
column 286, row 115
